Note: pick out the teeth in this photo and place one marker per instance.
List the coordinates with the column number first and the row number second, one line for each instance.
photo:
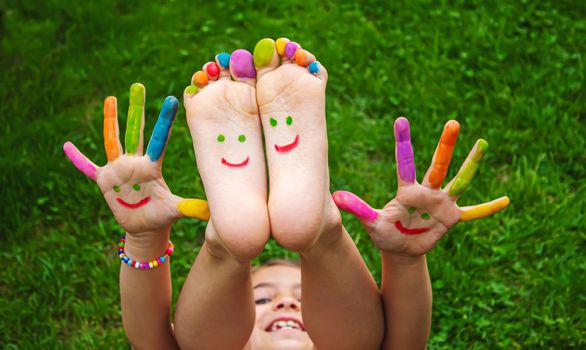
column 290, row 324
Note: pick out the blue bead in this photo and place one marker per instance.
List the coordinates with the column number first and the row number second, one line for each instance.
column 313, row 67
column 224, row 59
column 162, row 259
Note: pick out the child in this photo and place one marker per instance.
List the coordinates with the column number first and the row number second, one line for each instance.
column 223, row 304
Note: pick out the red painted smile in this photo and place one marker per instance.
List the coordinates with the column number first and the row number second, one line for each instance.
column 235, row 165
column 287, row 148
column 138, row 204
column 410, row 231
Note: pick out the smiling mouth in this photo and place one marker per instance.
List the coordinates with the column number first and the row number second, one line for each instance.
column 138, row 204
column 235, row 165
column 283, row 324
column 410, row 231
column 287, row 148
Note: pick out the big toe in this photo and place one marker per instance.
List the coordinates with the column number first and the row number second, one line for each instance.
column 242, row 67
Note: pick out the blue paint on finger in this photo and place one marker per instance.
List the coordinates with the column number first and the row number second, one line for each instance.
column 162, row 128
column 224, row 59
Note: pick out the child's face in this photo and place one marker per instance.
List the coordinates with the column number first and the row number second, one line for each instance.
column 277, row 294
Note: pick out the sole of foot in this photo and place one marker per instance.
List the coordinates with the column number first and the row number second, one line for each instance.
column 223, row 118
column 291, row 87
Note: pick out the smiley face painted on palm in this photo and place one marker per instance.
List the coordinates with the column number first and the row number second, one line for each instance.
column 289, row 146
column 241, row 138
column 131, row 205
column 413, row 221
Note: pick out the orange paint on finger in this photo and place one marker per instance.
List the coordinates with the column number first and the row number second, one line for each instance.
column 200, row 79
column 110, row 129
column 444, row 152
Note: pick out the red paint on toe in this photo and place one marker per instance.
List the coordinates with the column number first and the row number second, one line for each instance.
column 212, row 69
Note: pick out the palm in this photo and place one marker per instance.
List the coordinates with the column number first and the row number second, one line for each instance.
column 132, row 183
column 421, row 214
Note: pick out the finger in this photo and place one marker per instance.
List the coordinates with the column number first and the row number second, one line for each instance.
column 353, row 204
column 194, row 208
column 404, row 151
column 466, row 173
column 480, row 211
column 81, row 162
column 443, row 156
column 160, row 137
column 111, row 132
column 135, row 123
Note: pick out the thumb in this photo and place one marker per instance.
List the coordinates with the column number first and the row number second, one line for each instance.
column 353, row 204
column 194, row 208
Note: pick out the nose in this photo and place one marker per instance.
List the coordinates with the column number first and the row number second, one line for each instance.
column 287, row 302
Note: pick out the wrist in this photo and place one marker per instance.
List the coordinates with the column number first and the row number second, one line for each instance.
column 402, row 259
column 146, row 246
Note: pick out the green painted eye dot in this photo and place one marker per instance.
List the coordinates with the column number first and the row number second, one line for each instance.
column 289, row 120
column 273, row 122
column 241, row 138
column 116, row 188
column 425, row 216
column 221, row 138
column 136, row 187
column 411, row 210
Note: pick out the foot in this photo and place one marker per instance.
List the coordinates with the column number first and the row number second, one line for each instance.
column 223, row 119
column 290, row 91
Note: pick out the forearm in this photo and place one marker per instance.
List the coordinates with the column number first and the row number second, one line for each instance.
column 215, row 309
column 341, row 302
column 407, row 299
column 145, row 295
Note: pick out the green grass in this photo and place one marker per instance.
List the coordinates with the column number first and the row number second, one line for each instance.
column 510, row 72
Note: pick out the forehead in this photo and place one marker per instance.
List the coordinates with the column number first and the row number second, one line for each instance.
column 280, row 275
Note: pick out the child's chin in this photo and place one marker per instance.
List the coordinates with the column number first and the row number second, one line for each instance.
column 286, row 339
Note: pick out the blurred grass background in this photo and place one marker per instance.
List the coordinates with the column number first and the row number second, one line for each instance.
column 510, row 72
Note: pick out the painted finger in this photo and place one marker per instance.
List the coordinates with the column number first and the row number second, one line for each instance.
column 162, row 130
column 443, row 156
column 353, row 204
column 194, row 208
column 404, row 151
column 462, row 181
column 81, row 162
column 135, row 123
column 111, row 131
column 480, row 211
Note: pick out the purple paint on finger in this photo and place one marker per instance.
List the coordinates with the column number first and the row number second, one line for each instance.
column 242, row 64
column 291, row 49
column 353, row 204
column 404, row 150
column 79, row 160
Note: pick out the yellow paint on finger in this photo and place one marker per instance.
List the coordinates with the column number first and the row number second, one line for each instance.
column 194, row 208
column 280, row 44
column 483, row 210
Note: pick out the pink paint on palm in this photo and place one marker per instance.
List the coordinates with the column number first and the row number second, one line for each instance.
column 404, row 150
column 291, row 49
column 242, row 64
column 79, row 160
column 353, row 204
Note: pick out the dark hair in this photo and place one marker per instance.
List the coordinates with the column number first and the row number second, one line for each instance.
column 276, row 262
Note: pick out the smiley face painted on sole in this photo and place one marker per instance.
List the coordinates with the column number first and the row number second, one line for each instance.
column 288, row 146
column 241, row 138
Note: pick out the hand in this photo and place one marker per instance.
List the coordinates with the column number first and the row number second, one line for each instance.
column 132, row 183
column 421, row 214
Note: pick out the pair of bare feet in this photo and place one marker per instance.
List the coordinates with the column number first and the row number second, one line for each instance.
column 279, row 89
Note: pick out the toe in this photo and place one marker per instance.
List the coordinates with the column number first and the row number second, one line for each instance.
column 304, row 57
column 242, row 66
column 281, row 43
column 318, row 70
column 212, row 69
column 223, row 62
column 266, row 57
column 189, row 92
column 199, row 79
column 290, row 50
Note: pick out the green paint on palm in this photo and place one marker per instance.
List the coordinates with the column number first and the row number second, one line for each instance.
column 263, row 52
column 241, row 138
column 221, row 138
column 411, row 210
column 425, row 216
column 135, row 113
column 136, row 187
column 466, row 174
column 116, row 188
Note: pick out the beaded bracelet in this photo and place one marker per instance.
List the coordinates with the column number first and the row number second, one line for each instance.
column 143, row 265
